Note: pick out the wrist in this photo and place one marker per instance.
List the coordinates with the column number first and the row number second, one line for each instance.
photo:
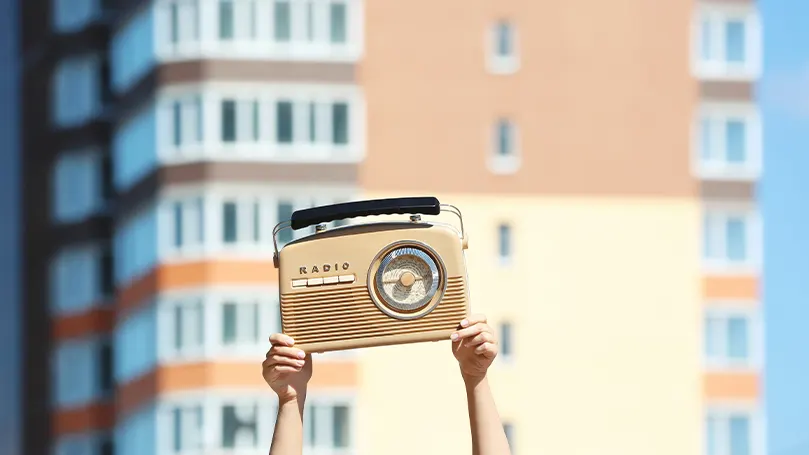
column 293, row 397
column 472, row 381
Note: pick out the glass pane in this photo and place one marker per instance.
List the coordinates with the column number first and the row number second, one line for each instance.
column 229, row 222
column 177, row 424
column 256, row 222
column 504, row 146
column 735, row 140
column 706, row 47
column 178, row 224
column 199, row 314
column 178, row 123
column 225, row 19
column 175, row 28
column 200, row 220
column 284, row 122
column 310, row 21
column 504, row 44
column 737, row 338
column 282, row 21
column 311, row 439
column 734, row 42
column 229, row 321
column 505, row 339
column 256, row 121
column 504, row 235
column 284, row 214
column 713, row 341
column 340, row 123
column 178, row 327
column 736, row 240
column 341, row 427
column 312, row 122
column 710, row 436
column 228, row 120
column 739, row 436
column 706, row 150
column 338, row 22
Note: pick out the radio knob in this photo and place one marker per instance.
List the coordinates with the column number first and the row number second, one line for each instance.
column 407, row 279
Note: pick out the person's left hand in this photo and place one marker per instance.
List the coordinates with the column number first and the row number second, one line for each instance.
column 475, row 347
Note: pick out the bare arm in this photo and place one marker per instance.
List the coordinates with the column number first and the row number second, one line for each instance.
column 287, row 438
column 287, row 370
column 488, row 436
column 475, row 347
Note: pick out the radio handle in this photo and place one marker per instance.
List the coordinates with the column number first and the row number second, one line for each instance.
column 410, row 205
column 392, row 206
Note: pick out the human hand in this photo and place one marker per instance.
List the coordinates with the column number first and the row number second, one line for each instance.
column 286, row 369
column 475, row 347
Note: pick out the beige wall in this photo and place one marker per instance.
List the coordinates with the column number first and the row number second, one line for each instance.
column 605, row 298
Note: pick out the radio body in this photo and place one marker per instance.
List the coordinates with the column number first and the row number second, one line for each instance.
column 372, row 284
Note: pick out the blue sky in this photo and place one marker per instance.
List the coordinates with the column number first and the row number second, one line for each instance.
column 784, row 97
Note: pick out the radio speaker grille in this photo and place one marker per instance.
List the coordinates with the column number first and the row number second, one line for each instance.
column 350, row 314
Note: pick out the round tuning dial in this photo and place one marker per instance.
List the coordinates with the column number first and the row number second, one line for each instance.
column 407, row 279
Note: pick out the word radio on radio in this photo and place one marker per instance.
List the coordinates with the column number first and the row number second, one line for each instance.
column 323, row 268
column 374, row 283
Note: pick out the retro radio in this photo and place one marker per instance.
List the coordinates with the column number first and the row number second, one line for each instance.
column 372, row 284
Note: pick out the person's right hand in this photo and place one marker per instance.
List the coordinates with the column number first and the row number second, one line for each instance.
column 286, row 369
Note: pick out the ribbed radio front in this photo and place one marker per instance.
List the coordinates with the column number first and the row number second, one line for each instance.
column 349, row 314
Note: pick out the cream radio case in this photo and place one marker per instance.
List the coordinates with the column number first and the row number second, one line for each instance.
column 372, row 284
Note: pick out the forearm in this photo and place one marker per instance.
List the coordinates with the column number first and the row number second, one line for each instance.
column 488, row 437
column 287, row 438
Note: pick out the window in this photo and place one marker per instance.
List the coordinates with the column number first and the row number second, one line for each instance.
column 77, row 91
column 178, row 224
column 283, row 29
column 255, row 108
column 77, row 186
column 257, row 222
column 72, row 15
column 75, row 284
column 107, row 272
column 506, row 339
column 189, row 325
column 341, row 429
column 239, row 426
column 183, row 19
column 504, row 242
column 106, row 373
column 187, row 428
column 340, row 123
column 229, row 231
column 730, row 238
column 228, row 121
column 505, row 138
column 729, row 142
column 503, row 57
column 186, row 121
column 337, row 14
column 226, row 19
column 285, row 210
column 508, row 429
column 240, row 323
column 728, row 42
column 328, row 424
column 75, row 364
column 185, row 224
column 505, row 157
column 284, row 122
column 730, row 338
column 731, row 432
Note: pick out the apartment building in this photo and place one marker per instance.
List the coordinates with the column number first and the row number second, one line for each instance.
column 164, row 139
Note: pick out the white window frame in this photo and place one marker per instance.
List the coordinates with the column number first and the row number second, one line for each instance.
column 199, row 35
column 719, row 14
column 723, row 311
column 502, row 64
column 504, row 164
column 720, row 212
column 719, row 114
column 724, row 411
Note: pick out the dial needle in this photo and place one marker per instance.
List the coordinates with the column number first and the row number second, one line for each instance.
column 406, row 279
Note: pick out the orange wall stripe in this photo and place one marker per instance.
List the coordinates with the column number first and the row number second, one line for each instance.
column 732, row 386
column 193, row 376
column 94, row 416
column 730, row 287
column 98, row 320
column 176, row 276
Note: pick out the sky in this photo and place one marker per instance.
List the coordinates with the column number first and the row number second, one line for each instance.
column 784, row 97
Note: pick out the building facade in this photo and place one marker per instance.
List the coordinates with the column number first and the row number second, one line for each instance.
column 606, row 166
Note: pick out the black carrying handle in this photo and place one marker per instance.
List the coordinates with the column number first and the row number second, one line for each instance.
column 411, row 205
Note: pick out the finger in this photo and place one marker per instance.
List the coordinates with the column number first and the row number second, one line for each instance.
column 287, row 369
column 286, row 351
column 281, row 339
column 470, row 331
column 472, row 320
column 283, row 360
column 488, row 350
column 477, row 340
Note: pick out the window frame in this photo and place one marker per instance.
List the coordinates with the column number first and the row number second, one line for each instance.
column 719, row 114
column 723, row 311
column 718, row 15
column 715, row 216
column 504, row 163
column 495, row 62
column 723, row 411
